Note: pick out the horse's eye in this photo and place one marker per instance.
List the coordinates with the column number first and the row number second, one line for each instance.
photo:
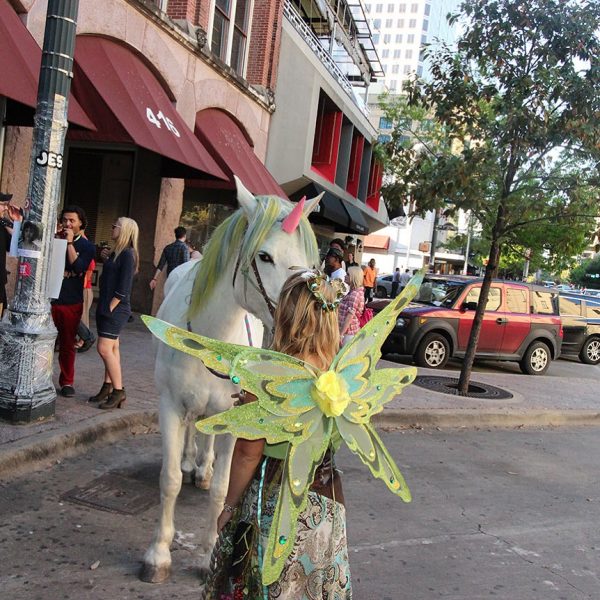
column 266, row 258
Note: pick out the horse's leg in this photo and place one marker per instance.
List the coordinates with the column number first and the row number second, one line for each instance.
column 188, row 464
column 157, row 560
column 218, row 491
column 206, row 457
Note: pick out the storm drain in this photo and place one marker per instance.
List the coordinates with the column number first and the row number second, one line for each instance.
column 115, row 493
column 449, row 385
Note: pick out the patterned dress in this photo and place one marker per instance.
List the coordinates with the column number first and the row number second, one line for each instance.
column 317, row 568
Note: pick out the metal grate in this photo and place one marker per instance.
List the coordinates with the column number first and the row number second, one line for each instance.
column 449, row 385
column 115, row 493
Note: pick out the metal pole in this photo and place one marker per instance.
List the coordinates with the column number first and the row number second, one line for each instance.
column 27, row 336
column 436, row 220
column 466, row 265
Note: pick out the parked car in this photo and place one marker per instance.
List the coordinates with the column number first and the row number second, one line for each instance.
column 383, row 286
column 580, row 315
column 521, row 323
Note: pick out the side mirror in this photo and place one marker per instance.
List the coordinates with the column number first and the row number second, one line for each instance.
column 468, row 306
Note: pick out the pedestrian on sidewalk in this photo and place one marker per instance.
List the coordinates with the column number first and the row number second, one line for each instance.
column 351, row 306
column 8, row 215
column 370, row 277
column 404, row 279
column 395, row 282
column 114, row 308
column 86, row 337
column 68, row 307
column 333, row 264
column 173, row 255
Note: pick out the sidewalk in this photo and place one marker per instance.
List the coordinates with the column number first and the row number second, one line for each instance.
column 568, row 394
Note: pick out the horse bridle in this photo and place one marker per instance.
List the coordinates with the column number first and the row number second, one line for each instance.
column 258, row 286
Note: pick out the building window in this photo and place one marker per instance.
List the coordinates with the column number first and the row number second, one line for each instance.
column 376, row 23
column 229, row 33
column 387, row 38
column 427, row 10
column 379, row 8
column 393, row 84
column 408, row 53
column 385, row 53
column 367, row 8
column 398, row 38
column 390, row 8
column 384, row 138
column 420, row 71
column 402, row 8
column 160, row 4
column 406, row 69
column 410, row 38
column 389, row 23
column 384, row 123
column 414, row 7
column 412, row 23
column 423, row 40
column 395, row 69
column 425, row 25
column 400, row 23
column 397, row 53
column 376, row 38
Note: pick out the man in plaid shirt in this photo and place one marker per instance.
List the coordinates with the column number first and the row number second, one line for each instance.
column 172, row 255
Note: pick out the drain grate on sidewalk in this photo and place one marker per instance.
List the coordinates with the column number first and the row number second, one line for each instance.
column 449, row 385
column 115, row 493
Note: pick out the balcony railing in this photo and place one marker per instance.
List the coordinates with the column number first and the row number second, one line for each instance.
column 326, row 59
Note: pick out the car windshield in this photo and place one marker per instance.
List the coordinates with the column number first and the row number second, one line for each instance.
column 439, row 292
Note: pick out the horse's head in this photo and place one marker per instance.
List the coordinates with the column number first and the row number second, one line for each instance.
column 256, row 248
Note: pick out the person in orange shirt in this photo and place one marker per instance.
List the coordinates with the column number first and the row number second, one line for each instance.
column 370, row 276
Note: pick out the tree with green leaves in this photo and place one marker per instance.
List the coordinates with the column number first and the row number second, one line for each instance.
column 506, row 127
column 587, row 274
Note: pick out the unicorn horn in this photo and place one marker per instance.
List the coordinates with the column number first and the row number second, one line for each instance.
column 291, row 222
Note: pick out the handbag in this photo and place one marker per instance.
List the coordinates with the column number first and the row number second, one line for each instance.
column 365, row 317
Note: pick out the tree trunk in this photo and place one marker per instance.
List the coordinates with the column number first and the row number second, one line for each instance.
column 490, row 272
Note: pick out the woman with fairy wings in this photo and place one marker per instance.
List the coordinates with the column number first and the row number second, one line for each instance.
column 283, row 528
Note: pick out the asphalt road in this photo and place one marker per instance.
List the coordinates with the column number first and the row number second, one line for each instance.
column 509, row 515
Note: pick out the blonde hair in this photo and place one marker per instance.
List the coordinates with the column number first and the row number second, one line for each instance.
column 356, row 277
column 128, row 238
column 302, row 328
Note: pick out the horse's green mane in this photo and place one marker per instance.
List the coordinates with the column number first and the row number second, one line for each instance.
column 238, row 236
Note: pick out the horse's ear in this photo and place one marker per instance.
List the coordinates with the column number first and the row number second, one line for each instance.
column 246, row 199
column 311, row 204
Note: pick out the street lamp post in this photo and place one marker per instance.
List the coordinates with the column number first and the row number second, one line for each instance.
column 27, row 335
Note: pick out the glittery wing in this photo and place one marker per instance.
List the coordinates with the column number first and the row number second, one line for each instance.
column 356, row 361
column 363, row 440
column 299, row 471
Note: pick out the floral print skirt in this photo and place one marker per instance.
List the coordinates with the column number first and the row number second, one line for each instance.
column 317, row 568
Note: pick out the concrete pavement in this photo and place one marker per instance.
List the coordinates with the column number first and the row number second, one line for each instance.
column 567, row 394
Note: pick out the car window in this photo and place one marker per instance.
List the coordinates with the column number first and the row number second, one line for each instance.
column 592, row 311
column 516, row 300
column 388, row 277
column 569, row 306
column 439, row 292
column 494, row 298
column 543, row 303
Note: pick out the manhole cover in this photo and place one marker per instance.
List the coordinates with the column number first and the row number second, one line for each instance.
column 449, row 385
column 115, row 493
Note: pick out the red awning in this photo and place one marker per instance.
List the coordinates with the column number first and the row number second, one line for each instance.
column 233, row 152
column 130, row 105
column 20, row 60
column 377, row 242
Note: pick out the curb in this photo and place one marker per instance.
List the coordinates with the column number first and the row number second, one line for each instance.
column 27, row 455
column 469, row 418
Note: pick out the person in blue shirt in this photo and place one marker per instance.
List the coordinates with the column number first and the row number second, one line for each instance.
column 68, row 307
column 114, row 308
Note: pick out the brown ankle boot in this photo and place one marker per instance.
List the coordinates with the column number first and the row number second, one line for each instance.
column 103, row 394
column 115, row 400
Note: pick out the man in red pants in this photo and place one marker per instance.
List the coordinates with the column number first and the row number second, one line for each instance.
column 68, row 307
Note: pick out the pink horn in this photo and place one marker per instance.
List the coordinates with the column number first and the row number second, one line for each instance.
column 291, row 222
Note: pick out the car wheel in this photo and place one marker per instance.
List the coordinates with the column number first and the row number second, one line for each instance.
column 590, row 353
column 381, row 292
column 536, row 359
column 433, row 351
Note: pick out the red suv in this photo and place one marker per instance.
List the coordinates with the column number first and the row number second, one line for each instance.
column 521, row 323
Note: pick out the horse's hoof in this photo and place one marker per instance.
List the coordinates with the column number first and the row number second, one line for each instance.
column 154, row 574
column 202, row 484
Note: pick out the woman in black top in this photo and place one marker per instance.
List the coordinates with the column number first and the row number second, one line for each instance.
column 114, row 308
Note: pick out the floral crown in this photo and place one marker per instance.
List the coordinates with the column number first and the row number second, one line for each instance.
column 314, row 280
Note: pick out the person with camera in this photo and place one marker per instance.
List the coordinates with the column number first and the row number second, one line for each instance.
column 68, row 307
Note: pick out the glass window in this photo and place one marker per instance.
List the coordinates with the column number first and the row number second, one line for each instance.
column 390, row 8
column 384, row 123
column 427, row 10
column 385, row 53
column 400, row 23
column 592, row 311
column 393, row 84
column 387, row 38
column 395, row 69
column 376, row 38
column 412, row 23
column 397, row 53
column 367, row 8
column 376, row 23
column 516, row 300
column 425, row 25
column 379, row 8
column 494, row 298
column 410, row 38
column 569, row 306
column 414, row 7
column 384, row 138
column 389, row 23
column 406, row 69
column 423, row 40
column 544, row 303
column 409, row 53
column 230, row 13
column 398, row 38
column 402, row 8
column 420, row 71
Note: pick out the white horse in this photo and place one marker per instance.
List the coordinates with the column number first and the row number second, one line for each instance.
column 244, row 266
